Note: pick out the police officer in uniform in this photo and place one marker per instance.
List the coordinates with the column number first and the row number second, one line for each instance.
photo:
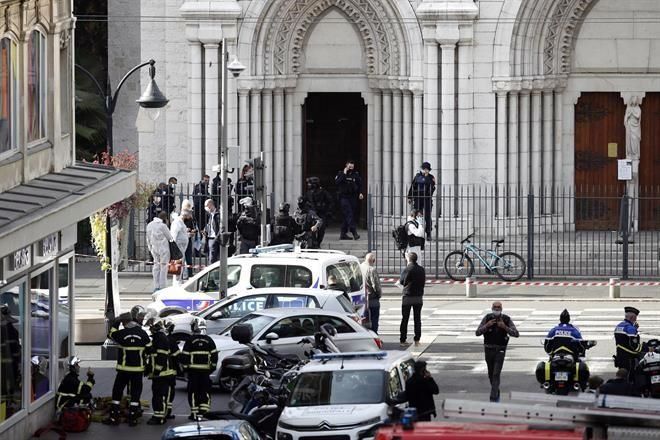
column 248, row 225
column 132, row 343
column 348, row 183
column 420, row 194
column 564, row 336
column 285, row 227
column 73, row 391
column 308, row 224
column 320, row 201
column 161, row 369
column 628, row 345
column 199, row 358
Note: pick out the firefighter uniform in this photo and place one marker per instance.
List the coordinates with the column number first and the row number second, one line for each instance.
column 199, row 358
column 132, row 343
column 161, row 370
column 73, row 391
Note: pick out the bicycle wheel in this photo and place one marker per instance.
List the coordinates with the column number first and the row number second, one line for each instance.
column 510, row 266
column 458, row 266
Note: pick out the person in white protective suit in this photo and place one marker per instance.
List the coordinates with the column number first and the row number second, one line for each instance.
column 158, row 242
column 179, row 232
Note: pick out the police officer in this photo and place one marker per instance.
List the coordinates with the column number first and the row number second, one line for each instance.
column 73, row 391
column 199, row 358
column 628, row 344
column 248, row 225
column 564, row 336
column 348, row 183
column 320, row 201
column 308, row 225
column 161, row 369
column 175, row 353
column 285, row 227
column 132, row 343
column 420, row 194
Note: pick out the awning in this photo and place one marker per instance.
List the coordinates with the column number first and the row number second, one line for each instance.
column 52, row 202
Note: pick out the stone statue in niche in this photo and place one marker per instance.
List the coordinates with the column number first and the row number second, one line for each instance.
column 633, row 123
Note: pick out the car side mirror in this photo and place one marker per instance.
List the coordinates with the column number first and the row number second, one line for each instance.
column 218, row 315
column 398, row 399
column 272, row 336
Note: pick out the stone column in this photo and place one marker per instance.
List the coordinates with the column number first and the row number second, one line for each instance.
column 559, row 130
column 267, row 136
column 548, row 141
column 195, row 125
column 430, row 146
column 211, row 105
column 407, row 170
column 537, row 148
column 244, row 125
column 232, row 102
column 513, row 159
column 289, row 194
column 501, row 149
column 279, row 172
column 448, row 174
column 524, row 142
column 418, row 130
column 255, row 123
column 465, row 94
column 397, row 150
column 387, row 140
column 296, row 145
column 378, row 141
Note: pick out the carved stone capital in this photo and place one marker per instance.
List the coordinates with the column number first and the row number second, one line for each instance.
column 628, row 95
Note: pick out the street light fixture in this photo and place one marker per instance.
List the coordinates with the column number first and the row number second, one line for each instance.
column 235, row 68
column 152, row 99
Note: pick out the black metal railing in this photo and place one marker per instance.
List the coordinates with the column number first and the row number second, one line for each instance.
column 594, row 232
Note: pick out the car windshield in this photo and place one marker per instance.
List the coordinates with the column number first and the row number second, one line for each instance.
column 338, row 388
column 258, row 322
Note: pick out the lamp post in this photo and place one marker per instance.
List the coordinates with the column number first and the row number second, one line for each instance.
column 152, row 99
column 235, row 68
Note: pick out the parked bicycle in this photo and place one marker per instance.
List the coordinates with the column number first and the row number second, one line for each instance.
column 509, row 266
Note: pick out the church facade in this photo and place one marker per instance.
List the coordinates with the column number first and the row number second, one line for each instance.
column 522, row 93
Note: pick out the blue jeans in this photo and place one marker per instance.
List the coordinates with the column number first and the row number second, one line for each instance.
column 374, row 314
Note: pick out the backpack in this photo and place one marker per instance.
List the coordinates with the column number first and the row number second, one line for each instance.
column 75, row 419
column 400, row 235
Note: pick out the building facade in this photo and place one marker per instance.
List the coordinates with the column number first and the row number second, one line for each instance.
column 527, row 94
column 43, row 194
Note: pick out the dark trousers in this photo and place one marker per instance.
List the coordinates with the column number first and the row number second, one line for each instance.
column 171, row 384
column 494, row 360
column 417, row 318
column 349, row 211
column 374, row 314
column 199, row 385
column 214, row 250
column 132, row 381
column 188, row 257
column 246, row 245
column 160, row 387
column 425, row 204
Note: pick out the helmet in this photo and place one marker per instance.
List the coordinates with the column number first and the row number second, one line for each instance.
column 246, row 201
column 73, row 363
column 35, row 360
column 198, row 326
column 169, row 325
column 156, row 326
column 302, row 203
column 565, row 317
column 137, row 314
column 284, row 208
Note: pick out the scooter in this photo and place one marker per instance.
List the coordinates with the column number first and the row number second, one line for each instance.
column 648, row 370
column 564, row 371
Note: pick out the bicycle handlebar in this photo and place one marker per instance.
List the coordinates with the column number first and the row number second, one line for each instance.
column 467, row 239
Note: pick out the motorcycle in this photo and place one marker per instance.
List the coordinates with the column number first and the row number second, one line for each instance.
column 564, row 371
column 648, row 370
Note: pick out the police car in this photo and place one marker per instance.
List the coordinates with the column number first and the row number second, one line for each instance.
column 227, row 311
column 344, row 395
column 275, row 266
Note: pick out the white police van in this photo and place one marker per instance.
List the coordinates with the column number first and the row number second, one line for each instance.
column 276, row 266
column 344, row 395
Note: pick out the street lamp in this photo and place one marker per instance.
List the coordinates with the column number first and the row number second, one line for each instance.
column 235, row 68
column 152, row 100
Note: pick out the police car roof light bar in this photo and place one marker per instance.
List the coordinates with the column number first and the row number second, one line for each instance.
column 349, row 355
column 275, row 248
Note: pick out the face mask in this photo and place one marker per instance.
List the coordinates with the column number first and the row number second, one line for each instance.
column 497, row 313
column 420, row 218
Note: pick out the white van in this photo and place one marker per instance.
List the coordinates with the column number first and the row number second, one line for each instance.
column 324, row 397
column 306, row 268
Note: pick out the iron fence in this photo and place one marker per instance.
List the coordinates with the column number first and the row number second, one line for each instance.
column 568, row 232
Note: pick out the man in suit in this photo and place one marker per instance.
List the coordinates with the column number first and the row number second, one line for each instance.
column 212, row 230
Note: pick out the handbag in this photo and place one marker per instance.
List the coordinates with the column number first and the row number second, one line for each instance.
column 174, row 267
column 175, row 252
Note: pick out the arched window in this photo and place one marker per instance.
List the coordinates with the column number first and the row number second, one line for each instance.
column 8, row 95
column 36, row 77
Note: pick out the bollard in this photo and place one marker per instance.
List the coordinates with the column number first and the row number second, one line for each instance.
column 470, row 288
column 615, row 288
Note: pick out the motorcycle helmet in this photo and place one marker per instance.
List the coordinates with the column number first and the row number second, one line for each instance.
column 565, row 317
column 137, row 314
column 284, row 208
column 198, row 326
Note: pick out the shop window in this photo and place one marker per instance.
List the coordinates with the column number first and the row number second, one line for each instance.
column 37, row 87
column 40, row 331
column 12, row 318
column 8, row 98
